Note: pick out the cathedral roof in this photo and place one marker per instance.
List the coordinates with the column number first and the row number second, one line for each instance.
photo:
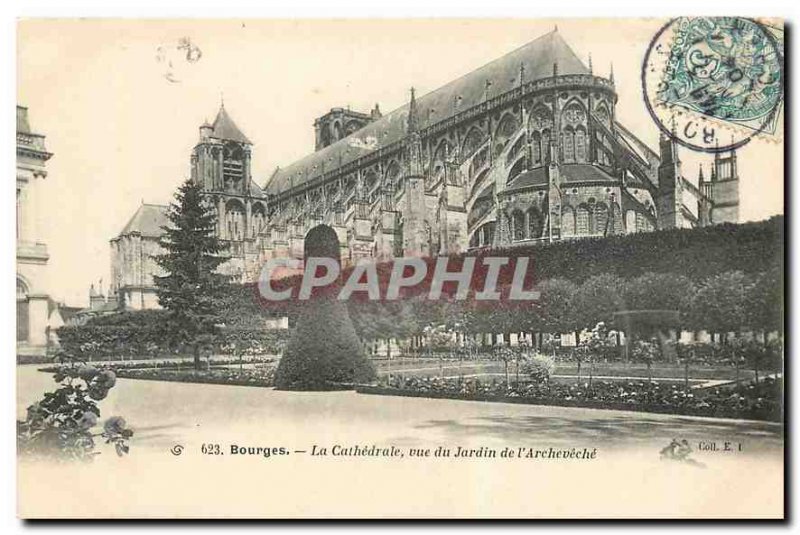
column 571, row 173
column 584, row 172
column 534, row 177
column 147, row 221
column 535, row 60
column 225, row 128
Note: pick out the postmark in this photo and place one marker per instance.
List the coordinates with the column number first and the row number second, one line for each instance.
column 715, row 83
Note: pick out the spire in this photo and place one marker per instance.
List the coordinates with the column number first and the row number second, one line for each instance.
column 591, row 71
column 413, row 121
column 700, row 178
column 225, row 128
column 611, row 74
column 555, row 68
column 521, row 73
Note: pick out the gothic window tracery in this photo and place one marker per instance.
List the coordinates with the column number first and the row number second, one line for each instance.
column 580, row 144
column 569, row 144
column 582, row 220
column 602, row 114
column 546, row 146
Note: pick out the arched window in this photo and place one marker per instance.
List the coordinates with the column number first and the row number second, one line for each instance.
column 545, row 146
column 601, row 218
column 536, row 148
column 630, row 221
column 602, row 114
column 569, row 145
column 582, row 220
column 487, row 233
column 580, row 144
column 535, row 223
column 259, row 217
column 568, row 223
column 616, row 215
column 518, row 225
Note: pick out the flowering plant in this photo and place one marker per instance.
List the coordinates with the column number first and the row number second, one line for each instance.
column 61, row 424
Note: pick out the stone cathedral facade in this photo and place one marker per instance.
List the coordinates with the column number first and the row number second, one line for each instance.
column 525, row 150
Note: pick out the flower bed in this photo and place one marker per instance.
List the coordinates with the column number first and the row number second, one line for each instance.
column 748, row 401
column 262, row 376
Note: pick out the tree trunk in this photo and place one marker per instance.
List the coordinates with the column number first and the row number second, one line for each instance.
column 686, row 374
column 197, row 356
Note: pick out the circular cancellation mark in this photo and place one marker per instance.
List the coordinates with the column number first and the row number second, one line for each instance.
column 713, row 83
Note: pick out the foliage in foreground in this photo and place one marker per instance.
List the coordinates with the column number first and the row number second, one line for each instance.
column 61, row 425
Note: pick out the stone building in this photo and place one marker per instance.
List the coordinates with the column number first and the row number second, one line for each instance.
column 35, row 309
column 525, row 150
column 132, row 262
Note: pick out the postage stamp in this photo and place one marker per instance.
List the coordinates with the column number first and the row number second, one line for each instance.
column 307, row 268
column 714, row 83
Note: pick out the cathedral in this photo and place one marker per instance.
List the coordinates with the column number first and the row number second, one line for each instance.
column 525, row 150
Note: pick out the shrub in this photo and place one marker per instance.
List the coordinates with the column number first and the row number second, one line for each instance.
column 538, row 367
column 323, row 351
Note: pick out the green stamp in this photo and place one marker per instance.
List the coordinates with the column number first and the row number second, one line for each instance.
column 726, row 68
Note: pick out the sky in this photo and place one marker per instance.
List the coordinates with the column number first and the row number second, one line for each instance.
column 121, row 122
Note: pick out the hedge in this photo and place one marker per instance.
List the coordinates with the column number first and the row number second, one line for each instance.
column 141, row 340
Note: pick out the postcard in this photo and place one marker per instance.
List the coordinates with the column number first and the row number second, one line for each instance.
column 400, row 268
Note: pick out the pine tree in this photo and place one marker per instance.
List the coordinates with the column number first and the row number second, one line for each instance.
column 192, row 289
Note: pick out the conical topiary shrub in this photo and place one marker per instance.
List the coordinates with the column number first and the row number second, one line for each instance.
column 324, row 350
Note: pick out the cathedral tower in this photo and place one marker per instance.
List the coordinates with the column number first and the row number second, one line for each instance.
column 668, row 202
column 220, row 163
column 724, row 189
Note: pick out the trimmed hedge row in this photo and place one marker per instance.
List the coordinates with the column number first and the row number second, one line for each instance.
column 138, row 340
column 696, row 253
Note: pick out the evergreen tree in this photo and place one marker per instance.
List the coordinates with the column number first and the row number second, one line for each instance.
column 192, row 289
